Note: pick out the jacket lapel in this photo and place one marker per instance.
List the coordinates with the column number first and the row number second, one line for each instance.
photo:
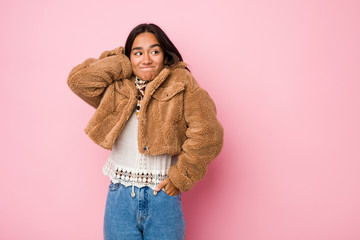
column 155, row 84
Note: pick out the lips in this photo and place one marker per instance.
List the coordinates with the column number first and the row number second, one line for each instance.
column 146, row 68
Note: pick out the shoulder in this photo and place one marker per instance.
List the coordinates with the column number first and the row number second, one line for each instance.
column 180, row 73
column 179, row 70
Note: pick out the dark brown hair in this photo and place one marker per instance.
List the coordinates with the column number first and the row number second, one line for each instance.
column 171, row 54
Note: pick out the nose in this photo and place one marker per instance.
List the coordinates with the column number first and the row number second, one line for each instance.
column 147, row 59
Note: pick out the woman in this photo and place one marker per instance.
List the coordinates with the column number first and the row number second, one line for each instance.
column 160, row 125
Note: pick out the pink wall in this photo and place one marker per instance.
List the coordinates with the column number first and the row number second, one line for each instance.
column 285, row 78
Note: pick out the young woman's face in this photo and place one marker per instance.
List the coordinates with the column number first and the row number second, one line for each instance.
column 147, row 58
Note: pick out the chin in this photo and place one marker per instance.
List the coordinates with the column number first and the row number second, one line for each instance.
column 147, row 78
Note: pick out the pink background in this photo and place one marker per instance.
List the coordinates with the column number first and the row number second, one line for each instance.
column 285, row 79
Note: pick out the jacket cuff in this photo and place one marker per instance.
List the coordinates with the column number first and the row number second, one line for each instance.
column 125, row 63
column 125, row 66
column 179, row 180
column 116, row 51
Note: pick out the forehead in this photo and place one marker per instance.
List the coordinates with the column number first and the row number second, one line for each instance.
column 145, row 40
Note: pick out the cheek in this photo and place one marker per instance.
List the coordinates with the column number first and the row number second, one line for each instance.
column 162, row 59
column 161, row 67
column 133, row 64
column 160, row 62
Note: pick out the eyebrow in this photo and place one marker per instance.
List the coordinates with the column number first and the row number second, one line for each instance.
column 139, row 48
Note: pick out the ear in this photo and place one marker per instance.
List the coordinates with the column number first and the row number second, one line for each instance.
column 165, row 60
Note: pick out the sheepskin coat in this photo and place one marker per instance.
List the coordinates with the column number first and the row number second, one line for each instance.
column 177, row 116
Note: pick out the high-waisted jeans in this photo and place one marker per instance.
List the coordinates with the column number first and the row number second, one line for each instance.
column 145, row 216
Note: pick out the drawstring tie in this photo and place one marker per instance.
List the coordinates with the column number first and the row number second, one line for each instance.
column 135, row 175
column 133, row 192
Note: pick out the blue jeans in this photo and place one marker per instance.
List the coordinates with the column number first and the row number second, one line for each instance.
column 145, row 216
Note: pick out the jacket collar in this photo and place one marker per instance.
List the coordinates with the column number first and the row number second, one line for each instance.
column 158, row 80
column 151, row 86
column 155, row 84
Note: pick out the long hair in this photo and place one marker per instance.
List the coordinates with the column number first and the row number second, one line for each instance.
column 171, row 54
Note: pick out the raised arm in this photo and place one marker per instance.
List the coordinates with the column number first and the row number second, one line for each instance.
column 90, row 79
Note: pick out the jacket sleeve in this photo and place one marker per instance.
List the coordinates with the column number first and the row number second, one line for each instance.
column 204, row 139
column 90, row 79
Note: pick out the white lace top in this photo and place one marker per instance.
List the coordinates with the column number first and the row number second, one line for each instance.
column 127, row 166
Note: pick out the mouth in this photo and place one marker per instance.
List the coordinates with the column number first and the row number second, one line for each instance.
column 146, row 68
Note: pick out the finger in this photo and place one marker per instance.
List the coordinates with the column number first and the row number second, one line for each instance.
column 161, row 185
column 171, row 190
column 174, row 192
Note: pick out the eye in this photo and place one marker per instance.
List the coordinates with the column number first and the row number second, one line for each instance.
column 155, row 52
column 137, row 53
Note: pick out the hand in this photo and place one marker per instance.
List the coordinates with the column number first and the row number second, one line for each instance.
column 168, row 186
column 116, row 51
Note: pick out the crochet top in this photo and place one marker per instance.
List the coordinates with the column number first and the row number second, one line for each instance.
column 127, row 166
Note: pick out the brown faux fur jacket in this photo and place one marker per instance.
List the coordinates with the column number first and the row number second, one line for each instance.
column 177, row 117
